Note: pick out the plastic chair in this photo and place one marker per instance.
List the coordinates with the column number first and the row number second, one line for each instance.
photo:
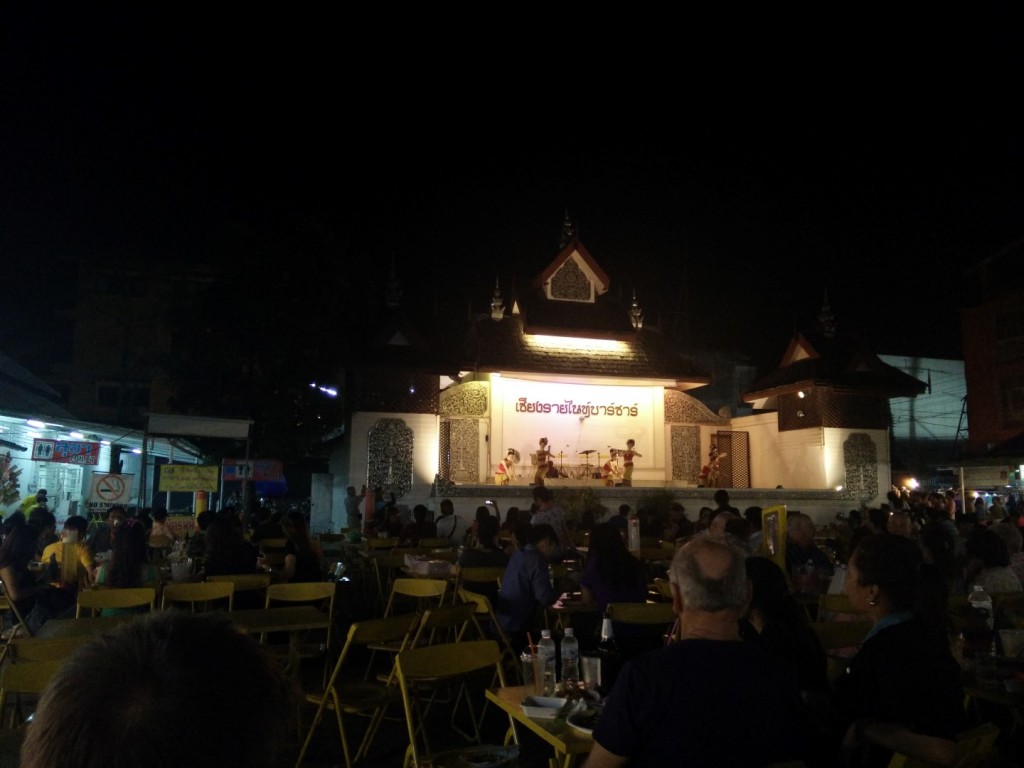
column 193, row 594
column 972, row 747
column 479, row 575
column 253, row 585
column 18, row 626
column 645, row 614
column 306, row 592
column 29, row 678
column 360, row 697
column 453, row 662
column 423, row 591
column 27, row 649
column 93, row 600
column 484, row 612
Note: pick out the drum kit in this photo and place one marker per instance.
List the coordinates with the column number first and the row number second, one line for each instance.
column 584, row 471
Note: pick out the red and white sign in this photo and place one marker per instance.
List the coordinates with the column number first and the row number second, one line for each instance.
column 79, row 452
column 110, row 489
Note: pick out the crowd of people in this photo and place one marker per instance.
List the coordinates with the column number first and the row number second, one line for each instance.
column 121, row 549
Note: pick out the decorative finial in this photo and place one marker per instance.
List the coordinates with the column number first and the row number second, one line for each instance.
column 636, row 315
column 497, row 305
column 568, row 231
column 826, row 319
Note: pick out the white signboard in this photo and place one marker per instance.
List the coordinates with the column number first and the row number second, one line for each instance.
column 110, row 489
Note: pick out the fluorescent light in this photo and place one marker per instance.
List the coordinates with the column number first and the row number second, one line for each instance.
column 77, row 436
column 36, row 423
column 136, row 450
column 104, row 442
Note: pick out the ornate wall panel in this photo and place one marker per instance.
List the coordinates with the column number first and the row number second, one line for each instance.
column 460, row 450
column 861, row 460
column 685, row 447
column 681, row 408
column 570, row 282
column 468, row 399
column 389, row 456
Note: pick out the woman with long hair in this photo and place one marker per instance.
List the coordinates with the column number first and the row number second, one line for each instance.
column 902, row 691
column 612, row 574
column 129, row 564
column 303, row 560
column 18, row 550
column 777, row 623
column 226, row 551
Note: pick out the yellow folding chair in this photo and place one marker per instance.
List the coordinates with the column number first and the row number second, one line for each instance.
column 972, row 747
column 426, row 667
column 836, row 636
column 92, row 600
column 360, row 697
column 646, row 614
column 251, row 587
column 423, row 592
column 487, row 625
column 198, row 596
column 319, row 592
column 44, row 649
column 440, row 543
column 27, row 679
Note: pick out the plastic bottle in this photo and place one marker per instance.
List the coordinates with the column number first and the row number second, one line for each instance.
column 570, row 661
column 981, row 602
column 546, row 652
column 608, row 652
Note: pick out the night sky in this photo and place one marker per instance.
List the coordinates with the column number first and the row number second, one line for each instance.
column 729, row 169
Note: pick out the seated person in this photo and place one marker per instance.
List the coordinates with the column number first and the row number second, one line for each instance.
column 527, row 585
column 36, row 601
column 303, row 560
column 153, row 675
column 419, row 528
column 129, row 565
column 708, row 700
column 227, row 553
column 988, row 563
column 487, row 554
column 159, row 527
column 800, row 547
column 268, row 525
column 102, row 539
column 47, row 524
column 73, row 534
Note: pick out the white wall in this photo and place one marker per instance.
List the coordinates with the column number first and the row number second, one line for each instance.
column 425, row 439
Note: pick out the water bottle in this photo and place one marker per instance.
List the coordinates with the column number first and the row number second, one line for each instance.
column 546, row 652
column 570, row 661
column 980, row 601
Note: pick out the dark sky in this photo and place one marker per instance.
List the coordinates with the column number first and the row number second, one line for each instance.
column 729, row 169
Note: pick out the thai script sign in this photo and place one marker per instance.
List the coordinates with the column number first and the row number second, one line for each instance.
column 188, row 477
column 569, row 407
column 66, row 451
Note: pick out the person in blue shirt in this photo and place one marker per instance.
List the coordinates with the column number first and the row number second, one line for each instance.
column 527, row 584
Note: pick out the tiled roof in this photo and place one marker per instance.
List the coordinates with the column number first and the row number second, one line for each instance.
column 502, row 346
column 840, row 363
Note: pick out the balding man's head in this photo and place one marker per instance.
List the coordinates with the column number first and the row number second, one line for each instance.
column 710, row 575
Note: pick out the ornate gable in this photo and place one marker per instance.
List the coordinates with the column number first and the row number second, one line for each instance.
column 573, row 276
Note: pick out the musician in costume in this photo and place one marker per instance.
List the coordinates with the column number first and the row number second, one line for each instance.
column 610, row 469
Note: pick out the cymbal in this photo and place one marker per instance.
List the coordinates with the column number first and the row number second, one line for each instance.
column 587, row 453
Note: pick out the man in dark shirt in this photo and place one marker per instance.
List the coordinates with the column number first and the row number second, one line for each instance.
column 683, row 704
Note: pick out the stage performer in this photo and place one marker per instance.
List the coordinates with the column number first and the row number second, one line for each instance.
column 543, row 455
column 506, row 471
column 627, row 462
column 610, row 469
